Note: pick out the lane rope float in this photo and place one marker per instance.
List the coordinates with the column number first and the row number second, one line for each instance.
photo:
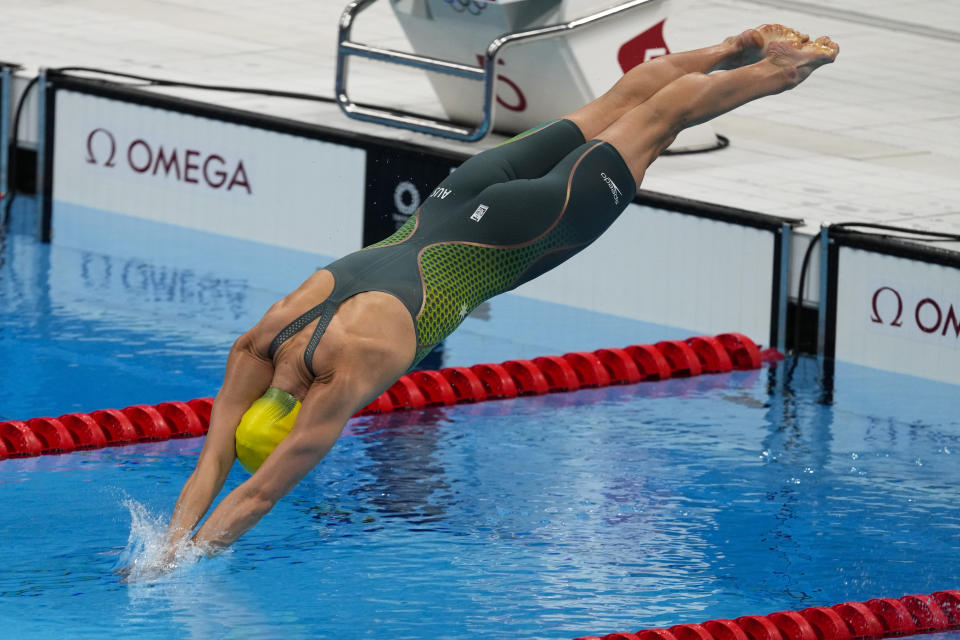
column 416, row 390
column 870, row 620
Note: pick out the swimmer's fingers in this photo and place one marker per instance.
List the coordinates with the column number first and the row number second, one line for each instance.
column 124, row 574
column 144, row 576
column 133, row 573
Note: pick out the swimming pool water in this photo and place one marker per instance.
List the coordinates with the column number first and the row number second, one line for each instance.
column 551, row 517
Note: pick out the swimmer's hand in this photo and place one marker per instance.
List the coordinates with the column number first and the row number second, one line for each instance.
column 153, row 566
column 134, row 573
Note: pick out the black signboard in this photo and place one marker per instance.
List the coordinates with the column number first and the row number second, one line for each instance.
column 398, row 182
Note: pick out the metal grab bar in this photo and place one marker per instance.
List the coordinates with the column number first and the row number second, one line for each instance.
column 486, row 73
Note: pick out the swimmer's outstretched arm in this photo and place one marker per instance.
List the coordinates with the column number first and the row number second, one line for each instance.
column 367, row 366
column 322, row 417
column 246, row 378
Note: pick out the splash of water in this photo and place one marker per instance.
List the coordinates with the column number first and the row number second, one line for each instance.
column 148, row 555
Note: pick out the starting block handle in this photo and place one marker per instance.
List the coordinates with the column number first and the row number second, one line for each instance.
column 486, row 73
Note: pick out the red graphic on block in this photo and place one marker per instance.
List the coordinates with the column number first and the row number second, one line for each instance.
column 521, row 100
column 646, row 46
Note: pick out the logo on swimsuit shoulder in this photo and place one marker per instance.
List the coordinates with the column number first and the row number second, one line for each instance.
column 441, row 193
column 482, row 209
column 614, row 189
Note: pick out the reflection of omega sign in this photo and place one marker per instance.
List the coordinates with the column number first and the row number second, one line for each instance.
column 188, row 165
column 929, row 315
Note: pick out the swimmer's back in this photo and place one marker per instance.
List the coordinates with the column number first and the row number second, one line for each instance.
column 371, row 325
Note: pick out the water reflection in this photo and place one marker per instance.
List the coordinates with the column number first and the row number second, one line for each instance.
column 406, row 479
column 75, row 320
column 201, row 602
column 610, row 509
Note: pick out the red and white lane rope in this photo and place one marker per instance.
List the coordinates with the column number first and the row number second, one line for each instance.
column 870, row 620
column 416, row 390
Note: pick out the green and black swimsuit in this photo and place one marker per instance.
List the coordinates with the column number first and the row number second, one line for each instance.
column 504, row 217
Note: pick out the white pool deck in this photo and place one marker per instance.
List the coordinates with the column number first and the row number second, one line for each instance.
column 873, row 138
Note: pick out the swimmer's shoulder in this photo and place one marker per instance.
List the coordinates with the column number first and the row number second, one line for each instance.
column 372, row 336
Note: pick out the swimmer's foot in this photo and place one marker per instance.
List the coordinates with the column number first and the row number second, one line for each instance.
column 753, row 44
column 766, row 34
column 798, row 61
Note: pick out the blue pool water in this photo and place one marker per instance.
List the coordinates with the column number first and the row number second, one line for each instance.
column 571, row 514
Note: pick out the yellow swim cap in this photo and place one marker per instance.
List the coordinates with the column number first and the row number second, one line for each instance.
column 265, row 424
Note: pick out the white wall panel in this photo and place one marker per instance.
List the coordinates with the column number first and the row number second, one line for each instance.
column 230, row 179
column 898, row 315
column 674, row 269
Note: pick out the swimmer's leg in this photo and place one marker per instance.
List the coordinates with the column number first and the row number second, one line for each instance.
column 643, row 81
column 642, row 133
column 533, row 153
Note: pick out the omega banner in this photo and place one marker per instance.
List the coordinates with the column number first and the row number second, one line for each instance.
column 116, row 160
column 898, row 314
